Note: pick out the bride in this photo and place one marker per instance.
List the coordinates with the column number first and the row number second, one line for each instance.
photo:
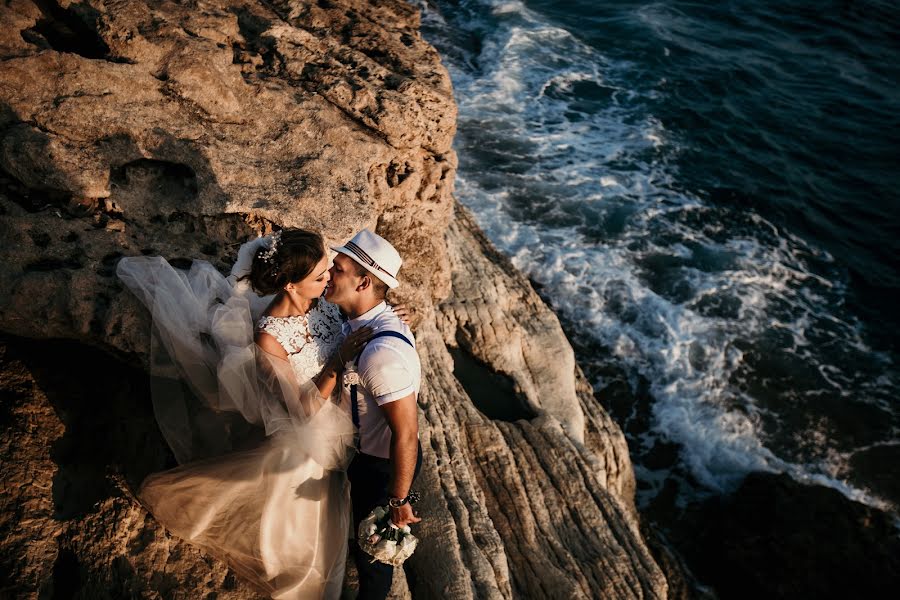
column 277, row 513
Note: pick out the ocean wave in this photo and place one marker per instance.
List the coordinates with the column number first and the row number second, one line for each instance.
column 739, row 326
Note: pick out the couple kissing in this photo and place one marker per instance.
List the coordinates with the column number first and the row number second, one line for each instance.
column 307, row 349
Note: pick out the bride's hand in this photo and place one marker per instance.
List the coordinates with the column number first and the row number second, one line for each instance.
column 402, row 312
column 353, row 344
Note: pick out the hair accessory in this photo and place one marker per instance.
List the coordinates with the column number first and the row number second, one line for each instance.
column 268, row 255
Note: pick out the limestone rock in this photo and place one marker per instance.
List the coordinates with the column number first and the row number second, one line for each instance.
column 183, row 129
column 537, row 512
column 495, row 317
column 132, row 127
column 73, row 436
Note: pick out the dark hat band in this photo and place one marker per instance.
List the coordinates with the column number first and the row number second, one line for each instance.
column 361, row 255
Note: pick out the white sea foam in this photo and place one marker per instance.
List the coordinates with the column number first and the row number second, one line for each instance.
column 582, row 201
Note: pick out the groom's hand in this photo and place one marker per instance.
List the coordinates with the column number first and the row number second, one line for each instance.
column 404, row 515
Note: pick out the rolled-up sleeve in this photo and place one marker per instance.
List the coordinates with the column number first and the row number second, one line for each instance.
column 386, row 374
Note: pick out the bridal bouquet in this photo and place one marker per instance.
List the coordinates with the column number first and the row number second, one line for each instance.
column 383, row 540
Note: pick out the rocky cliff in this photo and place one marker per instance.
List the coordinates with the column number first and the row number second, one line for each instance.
column 183, row 129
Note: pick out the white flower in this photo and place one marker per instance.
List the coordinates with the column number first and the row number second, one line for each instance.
column 386, row 548
column 384, row 541
column 407, row 547
column 274, row 241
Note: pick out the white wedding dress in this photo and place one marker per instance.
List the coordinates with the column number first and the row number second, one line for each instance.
column 279, row 513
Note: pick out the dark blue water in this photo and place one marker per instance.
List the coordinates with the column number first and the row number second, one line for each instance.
column 707, row 195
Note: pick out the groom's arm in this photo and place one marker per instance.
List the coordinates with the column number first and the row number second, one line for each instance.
column 402, row 418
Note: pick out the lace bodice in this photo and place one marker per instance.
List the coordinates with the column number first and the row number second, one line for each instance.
column 308, row 339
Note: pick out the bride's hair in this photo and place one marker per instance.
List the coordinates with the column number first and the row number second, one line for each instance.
column 296, row 252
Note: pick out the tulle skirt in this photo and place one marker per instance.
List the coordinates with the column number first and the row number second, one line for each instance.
column 274, row 514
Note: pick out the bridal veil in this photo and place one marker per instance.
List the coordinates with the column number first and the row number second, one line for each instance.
column 278, row 512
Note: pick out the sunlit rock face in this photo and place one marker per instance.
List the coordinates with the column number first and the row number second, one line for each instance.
column 184, row 129
column 181, row 129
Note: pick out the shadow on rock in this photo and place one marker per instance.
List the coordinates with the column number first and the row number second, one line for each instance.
column 109, row 424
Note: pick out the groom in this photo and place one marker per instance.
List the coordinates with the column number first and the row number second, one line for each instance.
column 384, row 404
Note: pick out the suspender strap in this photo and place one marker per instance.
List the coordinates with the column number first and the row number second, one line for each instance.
column 354, row 403
column 393, row 334
column 354, row 408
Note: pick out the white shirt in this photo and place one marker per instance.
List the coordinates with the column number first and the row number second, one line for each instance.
column 389, row 369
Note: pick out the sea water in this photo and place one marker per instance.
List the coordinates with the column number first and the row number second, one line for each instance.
column 706, row 193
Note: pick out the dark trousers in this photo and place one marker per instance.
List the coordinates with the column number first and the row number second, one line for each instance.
column 369, row 478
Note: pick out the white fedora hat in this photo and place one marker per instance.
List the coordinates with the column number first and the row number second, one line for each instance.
column 375, row 254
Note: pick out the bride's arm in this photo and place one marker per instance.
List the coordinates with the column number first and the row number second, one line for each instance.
column 326, row 380
column 302, row 399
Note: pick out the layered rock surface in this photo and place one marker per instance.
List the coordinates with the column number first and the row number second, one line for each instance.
column 183, row 129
